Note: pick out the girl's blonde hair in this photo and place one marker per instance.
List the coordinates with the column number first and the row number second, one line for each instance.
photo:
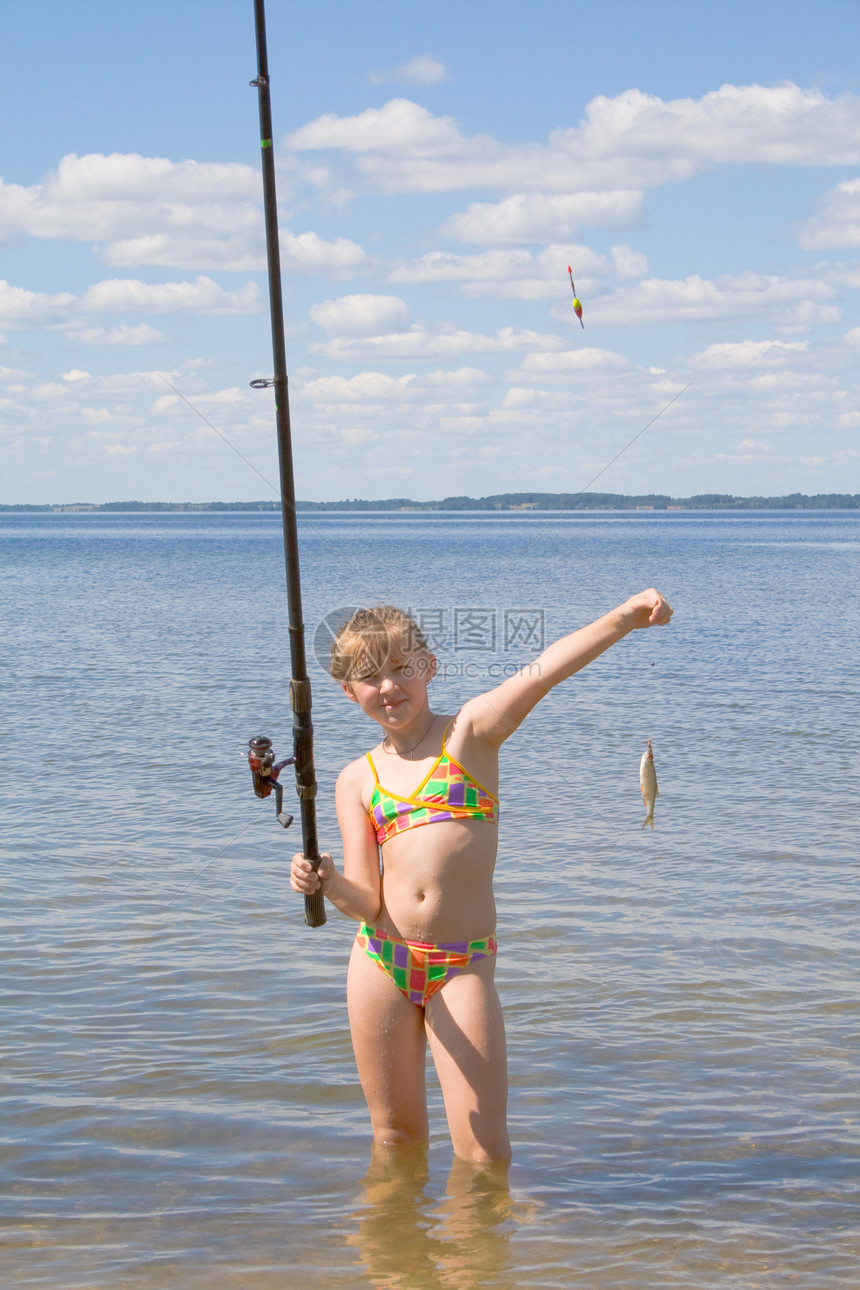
column 371, row 638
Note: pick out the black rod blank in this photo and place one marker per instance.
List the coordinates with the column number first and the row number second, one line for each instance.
column 300, row 686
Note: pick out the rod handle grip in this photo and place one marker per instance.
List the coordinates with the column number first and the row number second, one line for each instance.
column 315, row 909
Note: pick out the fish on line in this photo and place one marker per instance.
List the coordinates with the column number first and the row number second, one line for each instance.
column 648, row 784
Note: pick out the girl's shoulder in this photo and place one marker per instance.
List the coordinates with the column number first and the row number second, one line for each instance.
column 357, row 778
column 359, row 768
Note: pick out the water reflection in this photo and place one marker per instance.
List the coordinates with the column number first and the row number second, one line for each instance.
column 406, row 1237
column 181, row 1111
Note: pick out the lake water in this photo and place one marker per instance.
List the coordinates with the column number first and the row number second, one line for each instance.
column 179, row 1103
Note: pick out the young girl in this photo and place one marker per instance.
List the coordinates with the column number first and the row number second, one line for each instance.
column 422, row 964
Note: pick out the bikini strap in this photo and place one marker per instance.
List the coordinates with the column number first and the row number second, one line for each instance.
column 373, row 768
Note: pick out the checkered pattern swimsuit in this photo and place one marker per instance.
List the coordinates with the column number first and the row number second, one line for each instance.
column 447, row 792
column 419, row 969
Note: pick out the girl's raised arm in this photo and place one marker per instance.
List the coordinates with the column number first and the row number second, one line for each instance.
column 493, row 716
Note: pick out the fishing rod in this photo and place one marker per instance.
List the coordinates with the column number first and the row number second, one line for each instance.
column 261, row 758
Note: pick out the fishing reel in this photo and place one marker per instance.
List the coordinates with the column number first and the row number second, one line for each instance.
column 265, row 771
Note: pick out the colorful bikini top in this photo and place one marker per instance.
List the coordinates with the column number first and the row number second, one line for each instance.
column 447, row 792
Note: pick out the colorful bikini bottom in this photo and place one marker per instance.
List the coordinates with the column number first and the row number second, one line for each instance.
column 418, row 969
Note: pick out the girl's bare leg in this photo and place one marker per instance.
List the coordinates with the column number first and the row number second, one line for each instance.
column 390, row 1051
column 467, row 1039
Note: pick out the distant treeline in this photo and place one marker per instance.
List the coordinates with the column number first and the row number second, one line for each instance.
column 597, row 502
column 500, row 502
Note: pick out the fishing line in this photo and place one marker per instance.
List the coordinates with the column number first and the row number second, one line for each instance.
column 529, row 544
column 567, row 509
column 336, row 552
column 609, row 824
column 340, row 555
column 208, row 865
column 300, row 515
column 207, row 422
column 538, row 752
column 620, row 835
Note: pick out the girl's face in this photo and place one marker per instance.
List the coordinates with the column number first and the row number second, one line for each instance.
column 393, row 690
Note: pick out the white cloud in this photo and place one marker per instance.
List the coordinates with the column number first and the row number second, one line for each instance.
column 629, row 263
column 133, row 383
column 422, row 342
column 421, row 70
column 22, row 308
column 220, row 399
column 376, row 387
column 309, row 253
column 461, row 378
column 587, row 359
column 402, row 147
column 99, row 198
column 361, row 315
column 747, row 124
column 372, row 387
column 791, row 303
column 840, row 273
column 230, row 396
column 236, row 252
column 541, row 217
column 202, row 296
column 125, row 334
column 753, row 353
column 148, row 211
column 505, row 274
column 445, row 266
column 74, row 314
column 400, row 126
column 517, row 208
column 836, row 223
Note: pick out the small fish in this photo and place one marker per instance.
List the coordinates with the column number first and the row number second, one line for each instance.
column 648, row 784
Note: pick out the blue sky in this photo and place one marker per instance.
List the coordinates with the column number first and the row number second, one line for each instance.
column 438, row 168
